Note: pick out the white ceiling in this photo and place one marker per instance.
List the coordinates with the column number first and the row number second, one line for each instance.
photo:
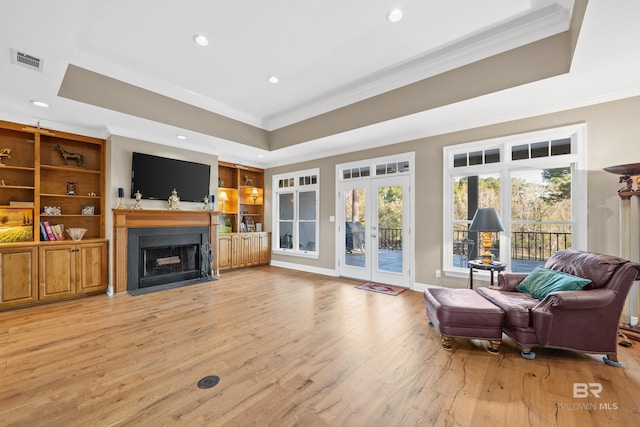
column 327, row 54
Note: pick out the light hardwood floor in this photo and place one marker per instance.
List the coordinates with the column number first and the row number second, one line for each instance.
column 290, row 348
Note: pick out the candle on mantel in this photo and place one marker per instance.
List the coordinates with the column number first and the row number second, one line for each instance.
column 120, row 192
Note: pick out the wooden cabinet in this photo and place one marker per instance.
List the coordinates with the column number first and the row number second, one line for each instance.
column 241, row 239
column 92, row 267
column 238, row 250
column 18, row 275
column 56, row 178
column 241, row 197
column 264, row 248
column 225, row 246
column 68, row 270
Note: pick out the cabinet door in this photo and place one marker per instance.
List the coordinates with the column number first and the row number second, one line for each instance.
column 18, row 276
column 56, row 272
column 91, row 267
column 236, row 251
column 254, row 249
column 224, row 252
column 265, row 248
column 244, row 250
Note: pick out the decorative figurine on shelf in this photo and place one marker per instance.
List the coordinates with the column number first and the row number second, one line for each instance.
column 6, row 153
column 174, row 201
column 205, row 201
column 138, row 196
column 73, row 156
column 71, row 188
column 220, row 182
column 248, row 181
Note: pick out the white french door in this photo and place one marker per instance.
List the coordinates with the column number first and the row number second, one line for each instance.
column 374, row 225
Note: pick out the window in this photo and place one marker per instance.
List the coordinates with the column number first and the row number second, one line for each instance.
column 536, row 183
column 295, row 213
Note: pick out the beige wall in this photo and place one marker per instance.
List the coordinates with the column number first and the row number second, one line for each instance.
column 613, row 137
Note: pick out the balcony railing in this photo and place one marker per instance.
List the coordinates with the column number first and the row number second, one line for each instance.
column 390, row 238
column 525, row 245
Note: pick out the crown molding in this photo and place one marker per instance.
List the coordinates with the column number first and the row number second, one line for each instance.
column 524, row 29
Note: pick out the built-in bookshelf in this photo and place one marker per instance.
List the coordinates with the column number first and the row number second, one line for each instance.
column 240, row 198
column 242, row 239
column 50, row 183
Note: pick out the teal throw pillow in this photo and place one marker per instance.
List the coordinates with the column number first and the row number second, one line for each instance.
column 541, row 282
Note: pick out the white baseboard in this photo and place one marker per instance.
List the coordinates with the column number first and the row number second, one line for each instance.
column 421, row 287
column 306, row 268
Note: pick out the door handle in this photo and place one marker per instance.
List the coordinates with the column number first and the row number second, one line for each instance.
column 374, row 236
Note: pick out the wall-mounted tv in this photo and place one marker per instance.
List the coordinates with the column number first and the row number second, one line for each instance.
column 155, row 177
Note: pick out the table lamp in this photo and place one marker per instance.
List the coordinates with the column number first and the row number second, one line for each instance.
column 486, row 221
column 255, row 194
column 223, row 198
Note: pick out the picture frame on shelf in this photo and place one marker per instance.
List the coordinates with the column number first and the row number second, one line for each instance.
column 72, row 188
column 51, row 210
column 88, row 210
column 249, row 223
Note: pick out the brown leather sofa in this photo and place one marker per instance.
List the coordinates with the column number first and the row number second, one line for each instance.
column 584, row 320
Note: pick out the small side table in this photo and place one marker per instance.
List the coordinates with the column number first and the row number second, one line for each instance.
column 478, row 265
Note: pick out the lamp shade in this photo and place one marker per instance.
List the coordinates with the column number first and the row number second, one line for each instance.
column 486, row 219
column 224, row 197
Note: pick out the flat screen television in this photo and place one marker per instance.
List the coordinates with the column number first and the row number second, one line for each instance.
column 155, row 177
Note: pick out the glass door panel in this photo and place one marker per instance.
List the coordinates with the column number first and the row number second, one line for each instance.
column 355, row 201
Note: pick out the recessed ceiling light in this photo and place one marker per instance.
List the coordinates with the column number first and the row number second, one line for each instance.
column 181, row 137
column 40, row 104
column 273, row 79
column 201, row 40
column 260, row 155
column 395, row 15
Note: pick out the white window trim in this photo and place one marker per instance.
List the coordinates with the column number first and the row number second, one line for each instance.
column 295, row 251
column 577, row 160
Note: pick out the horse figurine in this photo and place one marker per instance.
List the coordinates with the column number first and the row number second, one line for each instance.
column 73, row 156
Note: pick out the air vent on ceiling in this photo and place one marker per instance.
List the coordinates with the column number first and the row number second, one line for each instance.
column 26, row 60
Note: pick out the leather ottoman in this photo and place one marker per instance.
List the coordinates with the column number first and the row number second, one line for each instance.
column 465, row 314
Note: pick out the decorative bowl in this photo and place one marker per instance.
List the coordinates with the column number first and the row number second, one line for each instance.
column 76, row 233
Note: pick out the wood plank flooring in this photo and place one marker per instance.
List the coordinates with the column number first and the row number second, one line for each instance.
column 291, row 349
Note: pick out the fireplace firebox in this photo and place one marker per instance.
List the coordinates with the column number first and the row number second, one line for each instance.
column 167, row 257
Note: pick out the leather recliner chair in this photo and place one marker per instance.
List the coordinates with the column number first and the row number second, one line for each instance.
column 585, row 320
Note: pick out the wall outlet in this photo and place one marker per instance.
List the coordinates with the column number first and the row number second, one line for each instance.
column 438, row 274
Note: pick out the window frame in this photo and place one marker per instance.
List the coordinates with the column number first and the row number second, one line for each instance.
column 295, row 190
column 576, row 160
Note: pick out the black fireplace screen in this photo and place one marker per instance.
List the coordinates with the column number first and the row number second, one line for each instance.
column 169, row 259
column 160, row 256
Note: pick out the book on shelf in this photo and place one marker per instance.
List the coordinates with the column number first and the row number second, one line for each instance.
column 58, row 231
column 49, row 231
column 43, row 233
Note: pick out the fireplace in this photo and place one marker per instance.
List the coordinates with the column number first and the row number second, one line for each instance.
column 166, row 257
